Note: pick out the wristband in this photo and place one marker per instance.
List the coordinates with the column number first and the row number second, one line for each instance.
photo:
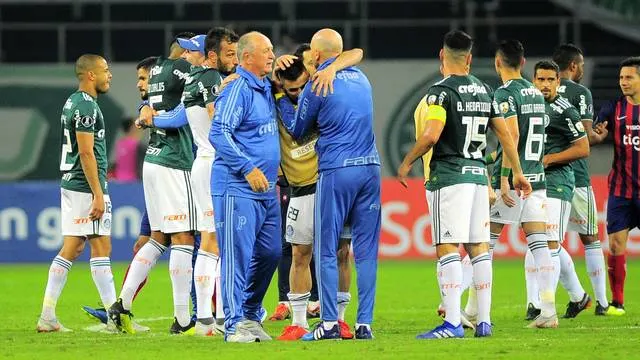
column 505, row 171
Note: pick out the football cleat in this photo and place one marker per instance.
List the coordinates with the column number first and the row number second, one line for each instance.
column 468, row 321
column 282, row 312
column 255, row 328
column 241, row 336
column 121, row 318
column 617, row 305
column 532, row 312
column 313, row 310
column 320, row 333
column 345, row 331
column 444, row 331
column 51, row 326
column 483, row 330
column 363, row 332
column 574, row 308
column 177, row 329
column 609, row 310
column 292, row 332
column 544, row 322
column 204, row 329
column 99, row 314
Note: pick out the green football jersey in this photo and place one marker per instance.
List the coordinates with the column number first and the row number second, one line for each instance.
column 580, row 97
column 458, row 156
column 564, row 127
column 81, row 113
column 201, row 86
column 172, row 148
column 521, row 98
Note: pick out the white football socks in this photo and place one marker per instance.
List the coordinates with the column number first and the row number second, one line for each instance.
column 141, row 265
column 181, row 272
column 568, row 276
column 482, row 282
column 57, row 278
column 596, row 270
column 204, row 274
column 544, row 270
column 103, row 278
column 344, row 298
column 450, row 283
column 299, row 304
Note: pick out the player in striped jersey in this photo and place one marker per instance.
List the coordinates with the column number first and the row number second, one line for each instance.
column 622, row 118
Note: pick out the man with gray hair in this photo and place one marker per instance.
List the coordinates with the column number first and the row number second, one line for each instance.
column 246, row 211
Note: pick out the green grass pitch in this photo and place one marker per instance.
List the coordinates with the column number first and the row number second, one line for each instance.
column 407, row 298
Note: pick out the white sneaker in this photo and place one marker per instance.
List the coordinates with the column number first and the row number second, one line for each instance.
column 139, row 328
column 544, row 322
column 204, row 330
column 242, row 336
column 468, row 321
column 51, row 326
column 255, row 328
column 218, row 328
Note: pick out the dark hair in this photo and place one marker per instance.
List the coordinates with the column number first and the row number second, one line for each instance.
column 147, row 63
column 293, row 72
column 182, row 35
column 458, row 40
column 565, row 54
column 216, row 35
column 126, row 124
column 301, row 49
column 633, row 61
column 512, row 52
column 546, row 65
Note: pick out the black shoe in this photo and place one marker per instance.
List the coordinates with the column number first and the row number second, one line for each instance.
column 121, row 318
column 616, row 305
column 177, row 329
column 574, row 308
column 600, row 310
column 532, row 312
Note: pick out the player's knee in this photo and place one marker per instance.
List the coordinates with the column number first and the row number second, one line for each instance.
column 182, row 238
column 343, row 255
column 587, row 239
column 617, row 246
column 301, row 255
column 554, row 245
column 71, row 251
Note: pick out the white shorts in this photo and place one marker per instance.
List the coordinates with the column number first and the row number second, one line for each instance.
column 558, row 216
column 583, row 218
column 299, row 229
column 459, row 214
column 74, row 215
column 167, row 193
column 201, row 185
column 531, row 209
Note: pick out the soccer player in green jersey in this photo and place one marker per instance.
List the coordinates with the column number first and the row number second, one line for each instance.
column 85, row 206
column 461, row 109
column 168, row 196
column 565, row 142
column 523, row 108
column 583, row 218
column 211, row 56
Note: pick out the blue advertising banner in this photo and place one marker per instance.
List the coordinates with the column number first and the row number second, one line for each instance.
column 30, row 221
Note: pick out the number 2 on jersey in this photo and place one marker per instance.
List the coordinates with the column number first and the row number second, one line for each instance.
column 66, row 149
column 473, row 135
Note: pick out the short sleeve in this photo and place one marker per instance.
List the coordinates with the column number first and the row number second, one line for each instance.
column 84, row 116
column 574, row 130
column 506, row 103
column 585, row 104
column 210, row 81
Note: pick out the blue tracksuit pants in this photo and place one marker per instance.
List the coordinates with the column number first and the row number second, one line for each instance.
column 250, row 248
column 342, row 193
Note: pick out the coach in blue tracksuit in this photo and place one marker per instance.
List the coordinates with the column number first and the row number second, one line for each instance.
column 349, row 183
column 244, row 133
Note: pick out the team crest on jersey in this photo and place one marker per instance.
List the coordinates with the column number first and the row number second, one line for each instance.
column 579, row 126
column 504, row 107
column 106, row 223
column 431, row 99
column 215, row 90
column 547, row 120
column 85, row 120
column 289, row 231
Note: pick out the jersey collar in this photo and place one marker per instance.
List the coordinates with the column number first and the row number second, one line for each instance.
column 253, row 80
column 326, row 63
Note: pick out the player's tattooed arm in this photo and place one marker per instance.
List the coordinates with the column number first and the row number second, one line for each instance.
column 90, row 170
